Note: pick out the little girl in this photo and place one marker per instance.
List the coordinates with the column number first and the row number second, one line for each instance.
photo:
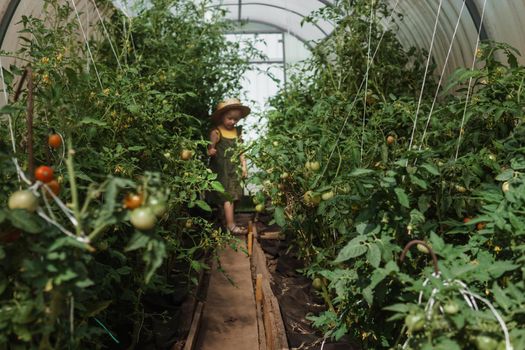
column 224, row 138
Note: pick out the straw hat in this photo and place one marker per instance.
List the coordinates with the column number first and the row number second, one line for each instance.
column 228, row 105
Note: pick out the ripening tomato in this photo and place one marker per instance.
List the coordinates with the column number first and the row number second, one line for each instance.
column 44, row 173
column 481, row 226
column 460, row 189
column 186, row 154
column 54, row 141
column 133, row 201
column 390, row 139
column 54, row 186
column 466, row 220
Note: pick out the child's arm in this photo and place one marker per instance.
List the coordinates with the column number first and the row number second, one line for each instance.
column 244, row 167
column 214, row 138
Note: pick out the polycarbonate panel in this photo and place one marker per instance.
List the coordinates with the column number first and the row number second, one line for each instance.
column 505, row 22
column 11, row 42
column 283, row 14
column 417, row 29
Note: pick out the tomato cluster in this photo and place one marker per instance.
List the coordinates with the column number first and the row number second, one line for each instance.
column 144, row 214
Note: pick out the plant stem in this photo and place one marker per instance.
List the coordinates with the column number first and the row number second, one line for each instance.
column 73, row 183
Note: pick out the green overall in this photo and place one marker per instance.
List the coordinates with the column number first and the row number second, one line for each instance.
column 226, row 170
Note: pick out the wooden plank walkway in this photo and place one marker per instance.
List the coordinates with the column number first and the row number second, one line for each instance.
column 229, row 320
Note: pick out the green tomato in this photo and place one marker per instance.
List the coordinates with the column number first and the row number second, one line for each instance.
column 259, row 208
column 23, row 200
column 143, row 218
column 158, row 206
column 415, row 322
column 314, row 166
column 311, row 198
column 484, row 342
column 451, row 308
column 422, row 248
column 460, row 189
column 505, row 187
column 189, row 223
column 285, row 175
column 308, row 166
column 317, row 283
column 327, row 196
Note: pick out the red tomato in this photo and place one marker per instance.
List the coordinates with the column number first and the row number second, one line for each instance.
column 133, row 201
column 466, row 220
column 44, row 173
column 54, row 141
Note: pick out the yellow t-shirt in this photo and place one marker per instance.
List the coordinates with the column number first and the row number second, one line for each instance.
column 227, row 134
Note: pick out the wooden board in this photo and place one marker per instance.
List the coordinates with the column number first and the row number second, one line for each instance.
column 195, row 326
column 273, row 323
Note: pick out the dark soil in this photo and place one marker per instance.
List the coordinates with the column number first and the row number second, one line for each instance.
column 296, row 297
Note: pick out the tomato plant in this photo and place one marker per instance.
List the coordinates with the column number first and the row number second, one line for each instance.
column 119, row 122
column 395, row 180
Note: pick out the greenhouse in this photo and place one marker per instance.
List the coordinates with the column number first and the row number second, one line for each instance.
column 252, row 175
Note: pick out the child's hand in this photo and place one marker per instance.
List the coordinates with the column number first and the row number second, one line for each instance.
column 212, row 152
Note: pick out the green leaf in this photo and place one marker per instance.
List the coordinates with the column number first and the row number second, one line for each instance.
column 417, row 181
column 93, row 121
column 279, row 217
column 498, row 268
column 7, row 109
column 361, row 172
column 506, row 175
column 374, row 255
column 401, row 308
column 430, row 168
column 84, row 283
column 26, row 221
column 217, row 186
column 97, row 307
column 402, row 197
column 203, row 205
column 139, row 240
column 351, row 250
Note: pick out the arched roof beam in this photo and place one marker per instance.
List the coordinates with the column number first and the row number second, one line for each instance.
column 6, row 19
column 279, row 28
column 272, row 6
